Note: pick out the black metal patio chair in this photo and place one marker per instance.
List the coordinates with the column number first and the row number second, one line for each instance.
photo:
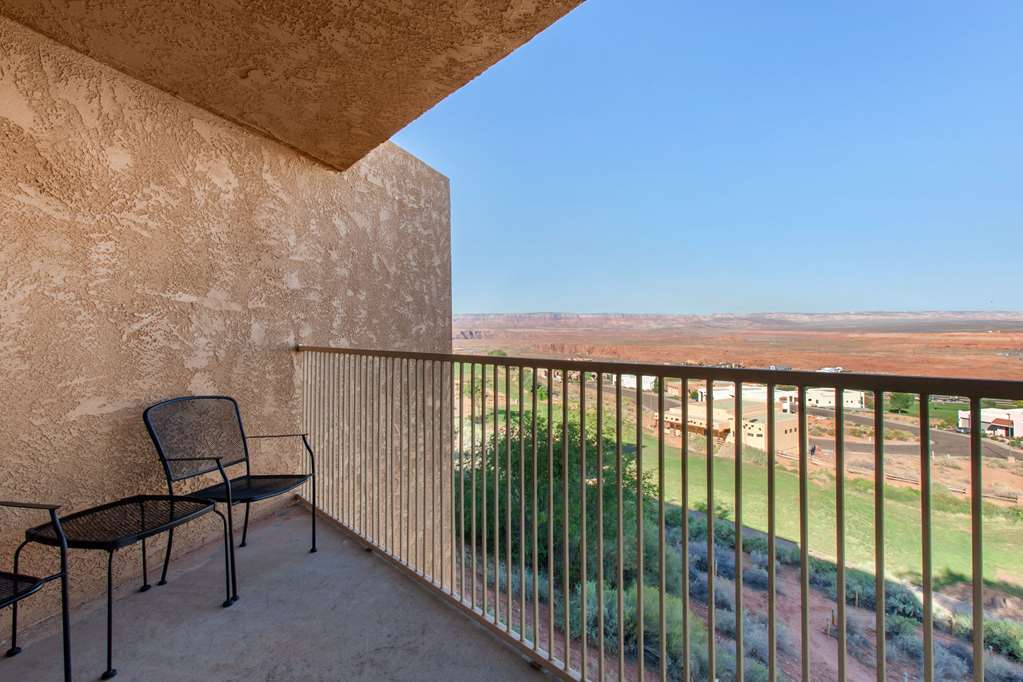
column 16, row 586
column 196, row 435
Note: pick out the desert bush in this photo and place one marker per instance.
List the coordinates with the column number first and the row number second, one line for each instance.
column 755, row 577
column 1004, row 637
column 901, row 601
column 947, row 666
column 997, row 669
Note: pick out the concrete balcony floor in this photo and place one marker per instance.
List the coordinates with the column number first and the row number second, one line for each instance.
column 339, row 614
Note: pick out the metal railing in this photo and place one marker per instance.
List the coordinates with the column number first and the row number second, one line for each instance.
column 511, row 485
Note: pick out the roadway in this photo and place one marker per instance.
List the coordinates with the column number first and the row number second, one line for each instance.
column 942, row 442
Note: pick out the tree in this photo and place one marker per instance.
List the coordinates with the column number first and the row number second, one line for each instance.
column 901, row 402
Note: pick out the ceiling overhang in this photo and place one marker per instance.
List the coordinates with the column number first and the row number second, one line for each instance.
column 331, row 78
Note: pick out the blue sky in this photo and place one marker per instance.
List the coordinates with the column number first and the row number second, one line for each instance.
column 684, row 157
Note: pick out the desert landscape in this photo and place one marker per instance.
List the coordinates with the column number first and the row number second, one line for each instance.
column 954, row 344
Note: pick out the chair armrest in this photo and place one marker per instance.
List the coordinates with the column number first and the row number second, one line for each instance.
column 280, row 435
column 29, row 505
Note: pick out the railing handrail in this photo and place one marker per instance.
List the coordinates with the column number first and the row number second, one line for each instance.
column 965, row 387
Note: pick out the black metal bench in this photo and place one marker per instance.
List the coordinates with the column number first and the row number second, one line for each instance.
column 115, row 525
column 16, row 586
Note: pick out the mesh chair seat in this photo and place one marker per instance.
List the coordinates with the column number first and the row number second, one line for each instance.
column 15, row 586
column 122, row 523
column 252, row 488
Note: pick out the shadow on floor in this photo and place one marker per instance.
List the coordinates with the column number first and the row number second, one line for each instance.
column 340, row 614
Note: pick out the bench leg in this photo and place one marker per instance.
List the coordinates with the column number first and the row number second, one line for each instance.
column 166, row 557
column 245, row 526
column 313, row 549
column 145, row 570
column 227, row 561
column 15, row 649
column 65, row 619
column 110, row 671
column 234, row 572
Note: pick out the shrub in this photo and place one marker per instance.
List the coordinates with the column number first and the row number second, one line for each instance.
column 900, row 626
column 1004, row 637
column 755, row 577
column 901, row 601
column 947, row 666
column 999, row 670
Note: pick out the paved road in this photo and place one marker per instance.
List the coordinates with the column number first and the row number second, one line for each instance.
column 942, row 442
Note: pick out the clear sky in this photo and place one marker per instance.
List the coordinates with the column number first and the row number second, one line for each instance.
column 700, row 157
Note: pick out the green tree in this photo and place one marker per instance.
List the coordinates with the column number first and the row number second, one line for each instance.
column 901, row 402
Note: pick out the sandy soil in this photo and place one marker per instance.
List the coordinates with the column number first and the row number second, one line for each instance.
column 939, row 346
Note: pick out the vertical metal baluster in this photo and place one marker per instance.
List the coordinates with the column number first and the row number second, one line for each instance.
column 536, row 588
column 507, row 497
column 393, row 453
column 640, row 572
column 435, row 494
column 378, row 431
column 335, row 417
column 879, row 586
column 522, row 507
column 483, row 481
column 977, row 528
column 415, row 454
column 711, row 562
column 349, row 440
column 740, row 663
column 364, row 404
column 405, row 434
column 550, row 513
column 497, row 500
column 600, row 525
column 804, row 537
column 620, row 549
column 582, row 524
column 662, row 620
column 461, row 480
column 472, row 472
column 564, row 520
column 840, row 527
column 684, row 424
column 423, row 520
column 772, row 578
column 339, row 472
column 925, row 517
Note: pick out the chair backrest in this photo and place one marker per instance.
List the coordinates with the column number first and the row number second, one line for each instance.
column 196, row 426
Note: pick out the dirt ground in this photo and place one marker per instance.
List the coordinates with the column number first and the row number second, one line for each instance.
column 935, row 345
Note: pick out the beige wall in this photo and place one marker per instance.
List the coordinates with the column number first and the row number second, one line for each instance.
column 151, row 249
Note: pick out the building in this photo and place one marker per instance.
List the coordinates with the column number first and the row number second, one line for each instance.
column 629, row 382
column 996, row 421
column 754, row 423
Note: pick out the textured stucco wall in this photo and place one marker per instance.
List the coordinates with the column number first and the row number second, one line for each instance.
column 151, row 249
column 333, row 78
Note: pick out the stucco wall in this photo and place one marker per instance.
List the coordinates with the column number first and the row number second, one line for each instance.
column 151, row 249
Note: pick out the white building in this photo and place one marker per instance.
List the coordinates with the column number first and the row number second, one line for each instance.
column 629, row 381
column 996, row 421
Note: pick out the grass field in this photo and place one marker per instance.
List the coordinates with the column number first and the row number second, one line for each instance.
column 1003, row 532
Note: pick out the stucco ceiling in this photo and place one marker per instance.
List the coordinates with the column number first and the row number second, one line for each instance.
column 332, row 78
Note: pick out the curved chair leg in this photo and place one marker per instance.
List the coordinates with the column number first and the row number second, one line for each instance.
column 230, row 599
column 245, row 526
column 166, row 557
column 15, row 649
column 145, row 570
column 110, row 671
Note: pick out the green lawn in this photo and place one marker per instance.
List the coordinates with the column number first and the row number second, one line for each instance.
column 1003, row 533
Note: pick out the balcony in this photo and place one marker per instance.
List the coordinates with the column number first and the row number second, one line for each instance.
column 470, row 499
column 341, row 614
